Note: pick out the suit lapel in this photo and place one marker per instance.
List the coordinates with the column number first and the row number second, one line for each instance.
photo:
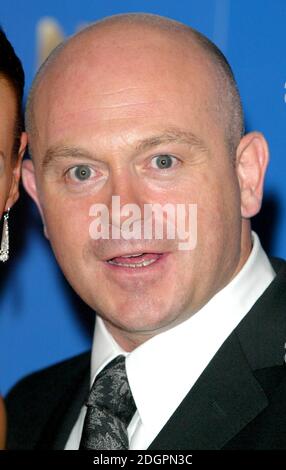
column 224, row 399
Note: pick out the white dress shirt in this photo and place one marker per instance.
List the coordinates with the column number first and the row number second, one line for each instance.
column 162, row 370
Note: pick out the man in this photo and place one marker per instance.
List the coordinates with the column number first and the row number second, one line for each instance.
column 145, row 109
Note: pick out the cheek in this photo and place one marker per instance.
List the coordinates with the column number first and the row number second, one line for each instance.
column 3, row 192
column 67, row 228
column 218, row 198
column 2, row 195
column 218, row 223
column 2, row 206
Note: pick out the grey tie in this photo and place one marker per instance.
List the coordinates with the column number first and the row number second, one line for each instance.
column 110, row 407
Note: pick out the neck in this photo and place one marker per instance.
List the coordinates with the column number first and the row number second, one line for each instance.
column 128, row 340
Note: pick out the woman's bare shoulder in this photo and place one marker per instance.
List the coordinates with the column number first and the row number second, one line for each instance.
column 2, row 424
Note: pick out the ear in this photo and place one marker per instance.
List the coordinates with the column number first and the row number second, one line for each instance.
column 251, row 162
column 29, row 183
column 16, row 173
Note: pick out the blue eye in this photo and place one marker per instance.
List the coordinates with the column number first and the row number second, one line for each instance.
column 163, row 162
column 80, row 172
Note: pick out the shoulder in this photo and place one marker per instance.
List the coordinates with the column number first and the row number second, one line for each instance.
column 2, row 424
column 31, row 402
column 262, row 332
column 268, row 429
column 279, row 265
column 60, row 374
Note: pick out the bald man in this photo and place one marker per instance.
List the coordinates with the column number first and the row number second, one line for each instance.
column 138, row 111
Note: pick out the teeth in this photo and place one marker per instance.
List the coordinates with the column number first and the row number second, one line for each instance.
column 133, row 265
column 131, row 256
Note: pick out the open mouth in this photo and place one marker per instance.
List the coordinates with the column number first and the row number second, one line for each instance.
column 138, row 260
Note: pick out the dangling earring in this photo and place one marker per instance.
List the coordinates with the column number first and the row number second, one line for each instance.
column 4, row 250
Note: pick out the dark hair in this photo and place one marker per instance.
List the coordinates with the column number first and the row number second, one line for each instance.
column 11, row 69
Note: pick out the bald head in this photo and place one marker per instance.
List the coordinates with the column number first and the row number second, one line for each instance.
column 117, row 32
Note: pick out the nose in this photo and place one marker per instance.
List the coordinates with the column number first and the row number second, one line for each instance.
column 126, row 197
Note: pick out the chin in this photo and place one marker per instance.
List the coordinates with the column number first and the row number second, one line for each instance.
column 136, row 319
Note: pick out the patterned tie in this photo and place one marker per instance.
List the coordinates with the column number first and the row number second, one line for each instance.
column 110, row 407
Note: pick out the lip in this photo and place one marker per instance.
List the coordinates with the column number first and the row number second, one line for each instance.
column 147, row 272
column 132, row 253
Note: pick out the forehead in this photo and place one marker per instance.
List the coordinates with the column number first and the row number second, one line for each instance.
column 8, row 105
column 7, row 96
column 7, row 117
column 100, row 82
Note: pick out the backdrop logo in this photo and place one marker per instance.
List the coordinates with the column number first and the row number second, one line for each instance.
column 49, row 36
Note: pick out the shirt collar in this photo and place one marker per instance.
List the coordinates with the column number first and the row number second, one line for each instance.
column 104, row 349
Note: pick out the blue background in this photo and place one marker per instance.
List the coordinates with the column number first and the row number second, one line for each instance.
column 41, row 320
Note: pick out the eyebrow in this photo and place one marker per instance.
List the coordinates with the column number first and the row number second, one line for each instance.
column 173, row 135
column 59, row 152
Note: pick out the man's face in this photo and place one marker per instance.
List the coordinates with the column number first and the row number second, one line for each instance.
column 104, row 118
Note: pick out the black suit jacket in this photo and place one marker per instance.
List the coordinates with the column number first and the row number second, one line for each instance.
column 239, row 401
